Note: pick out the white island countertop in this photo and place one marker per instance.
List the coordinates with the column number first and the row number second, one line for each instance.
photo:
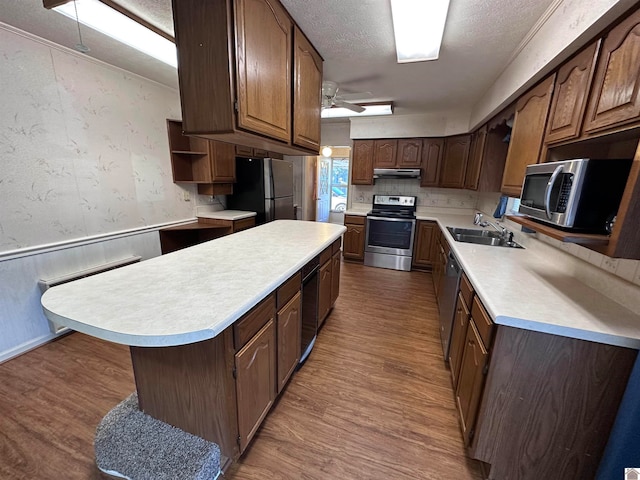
column 192, row 294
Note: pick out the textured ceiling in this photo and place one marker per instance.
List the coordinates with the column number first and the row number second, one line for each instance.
column 355, row 37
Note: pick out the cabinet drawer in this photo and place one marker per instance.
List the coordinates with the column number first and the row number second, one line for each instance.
column 354, row 219
column 245, row 328
column 335, row 247
column 482, row 321
column 325, row 256
column 466, row 290
column 288, row 289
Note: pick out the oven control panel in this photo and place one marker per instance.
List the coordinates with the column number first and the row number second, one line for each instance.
column 401, row 200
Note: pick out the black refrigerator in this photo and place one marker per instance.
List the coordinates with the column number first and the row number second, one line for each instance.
column 264, row 186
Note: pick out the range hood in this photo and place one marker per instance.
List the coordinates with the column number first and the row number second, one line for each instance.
column 396, row 173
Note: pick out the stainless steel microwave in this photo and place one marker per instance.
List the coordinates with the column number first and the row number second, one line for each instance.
column 581, row 194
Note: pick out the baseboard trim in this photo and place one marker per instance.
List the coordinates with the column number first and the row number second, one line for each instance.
column 30, row 345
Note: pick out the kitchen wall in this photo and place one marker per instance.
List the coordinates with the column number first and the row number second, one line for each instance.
column 85, row 174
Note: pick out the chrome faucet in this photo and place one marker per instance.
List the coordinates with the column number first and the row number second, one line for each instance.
column 477, row 220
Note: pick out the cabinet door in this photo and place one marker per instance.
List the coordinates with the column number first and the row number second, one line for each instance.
column 384, row 153
column 432, row 149
column 324, row 295
column 573, row 82
column 409, row 153
column 458, row 336
column 255, row 381
column 454, row 161
column 471, row 380
column 615, row 99
column 353, row 247
column 223, row 162
column 307, row 83
column 288, row 339
column 527, row 135
column 362, row 169
column 335, row 277
column 476, row 157
column 425, row 235
column 263, row 67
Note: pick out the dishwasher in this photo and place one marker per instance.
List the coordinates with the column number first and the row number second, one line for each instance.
column 448, row 297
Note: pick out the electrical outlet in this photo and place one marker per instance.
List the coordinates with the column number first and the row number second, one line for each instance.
column 186, row 195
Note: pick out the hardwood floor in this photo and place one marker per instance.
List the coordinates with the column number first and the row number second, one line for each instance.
column 374, row 399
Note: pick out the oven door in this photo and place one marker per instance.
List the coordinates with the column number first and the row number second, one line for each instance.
column 391, row 236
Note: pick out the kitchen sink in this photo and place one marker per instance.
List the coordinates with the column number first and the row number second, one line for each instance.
column 481, row 237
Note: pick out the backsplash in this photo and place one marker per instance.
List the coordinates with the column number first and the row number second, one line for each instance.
column 426, row 197
column 83, row 146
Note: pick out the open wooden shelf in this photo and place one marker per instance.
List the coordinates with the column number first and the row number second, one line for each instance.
column 567, row 237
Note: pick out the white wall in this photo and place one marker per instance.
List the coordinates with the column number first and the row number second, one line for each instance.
column 83, row 154
column 435, row 124
column 335, row 134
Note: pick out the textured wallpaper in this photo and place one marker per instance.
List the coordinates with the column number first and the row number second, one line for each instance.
column 83, row 147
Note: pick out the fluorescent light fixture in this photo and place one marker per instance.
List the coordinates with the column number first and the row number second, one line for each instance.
column 100, row 17
column 369, row 110
column 418, row 26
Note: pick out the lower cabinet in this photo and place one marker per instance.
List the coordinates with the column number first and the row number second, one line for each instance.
column 288, row 333
column 423, row 251
column 354, row 237
column 335, row 276
column 324, row 296
column 458, row 337
column 255, row 366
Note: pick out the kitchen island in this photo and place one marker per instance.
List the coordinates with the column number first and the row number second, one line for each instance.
column 205, row 324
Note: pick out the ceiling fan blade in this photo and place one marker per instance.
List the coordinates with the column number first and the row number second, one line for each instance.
column 350, row 106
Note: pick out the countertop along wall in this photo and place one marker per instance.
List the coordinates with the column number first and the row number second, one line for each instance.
column 86, row 175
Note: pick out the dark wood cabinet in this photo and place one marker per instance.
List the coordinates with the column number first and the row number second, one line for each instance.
column 440, row 265
column 384, row 153
column 263, row 65
column 458, row 336
column 573, row 83
column 423, row 246
column 471, row 380
column 362, row 159
column 208, row 163
column 255, row 366
column 615, row 98
column 307, row 75
column 409, row 153
column 288, row 335
column 432, row 150
column 324, row 291
column 454, row 161
column 335, row 277
column 236, row 73
column 527, row 135
column 353, row 246
column 476, row 154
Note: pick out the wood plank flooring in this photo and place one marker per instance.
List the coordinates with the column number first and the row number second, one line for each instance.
column 374, row 399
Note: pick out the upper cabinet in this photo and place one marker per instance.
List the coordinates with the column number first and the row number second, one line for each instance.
column 307, row 75
column 384, row 153
column 526, row 137
column 570, row 100
column 615, row 99
column 246, row 77
column 210, row 164
column 476, row 152
column 432, row 150
column 454, row 161
column 409, row 153
column 362, row 162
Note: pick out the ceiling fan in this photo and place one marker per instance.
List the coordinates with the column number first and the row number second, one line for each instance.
column 330, row 98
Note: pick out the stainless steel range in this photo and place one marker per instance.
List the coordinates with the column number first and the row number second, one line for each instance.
column 390, row 231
